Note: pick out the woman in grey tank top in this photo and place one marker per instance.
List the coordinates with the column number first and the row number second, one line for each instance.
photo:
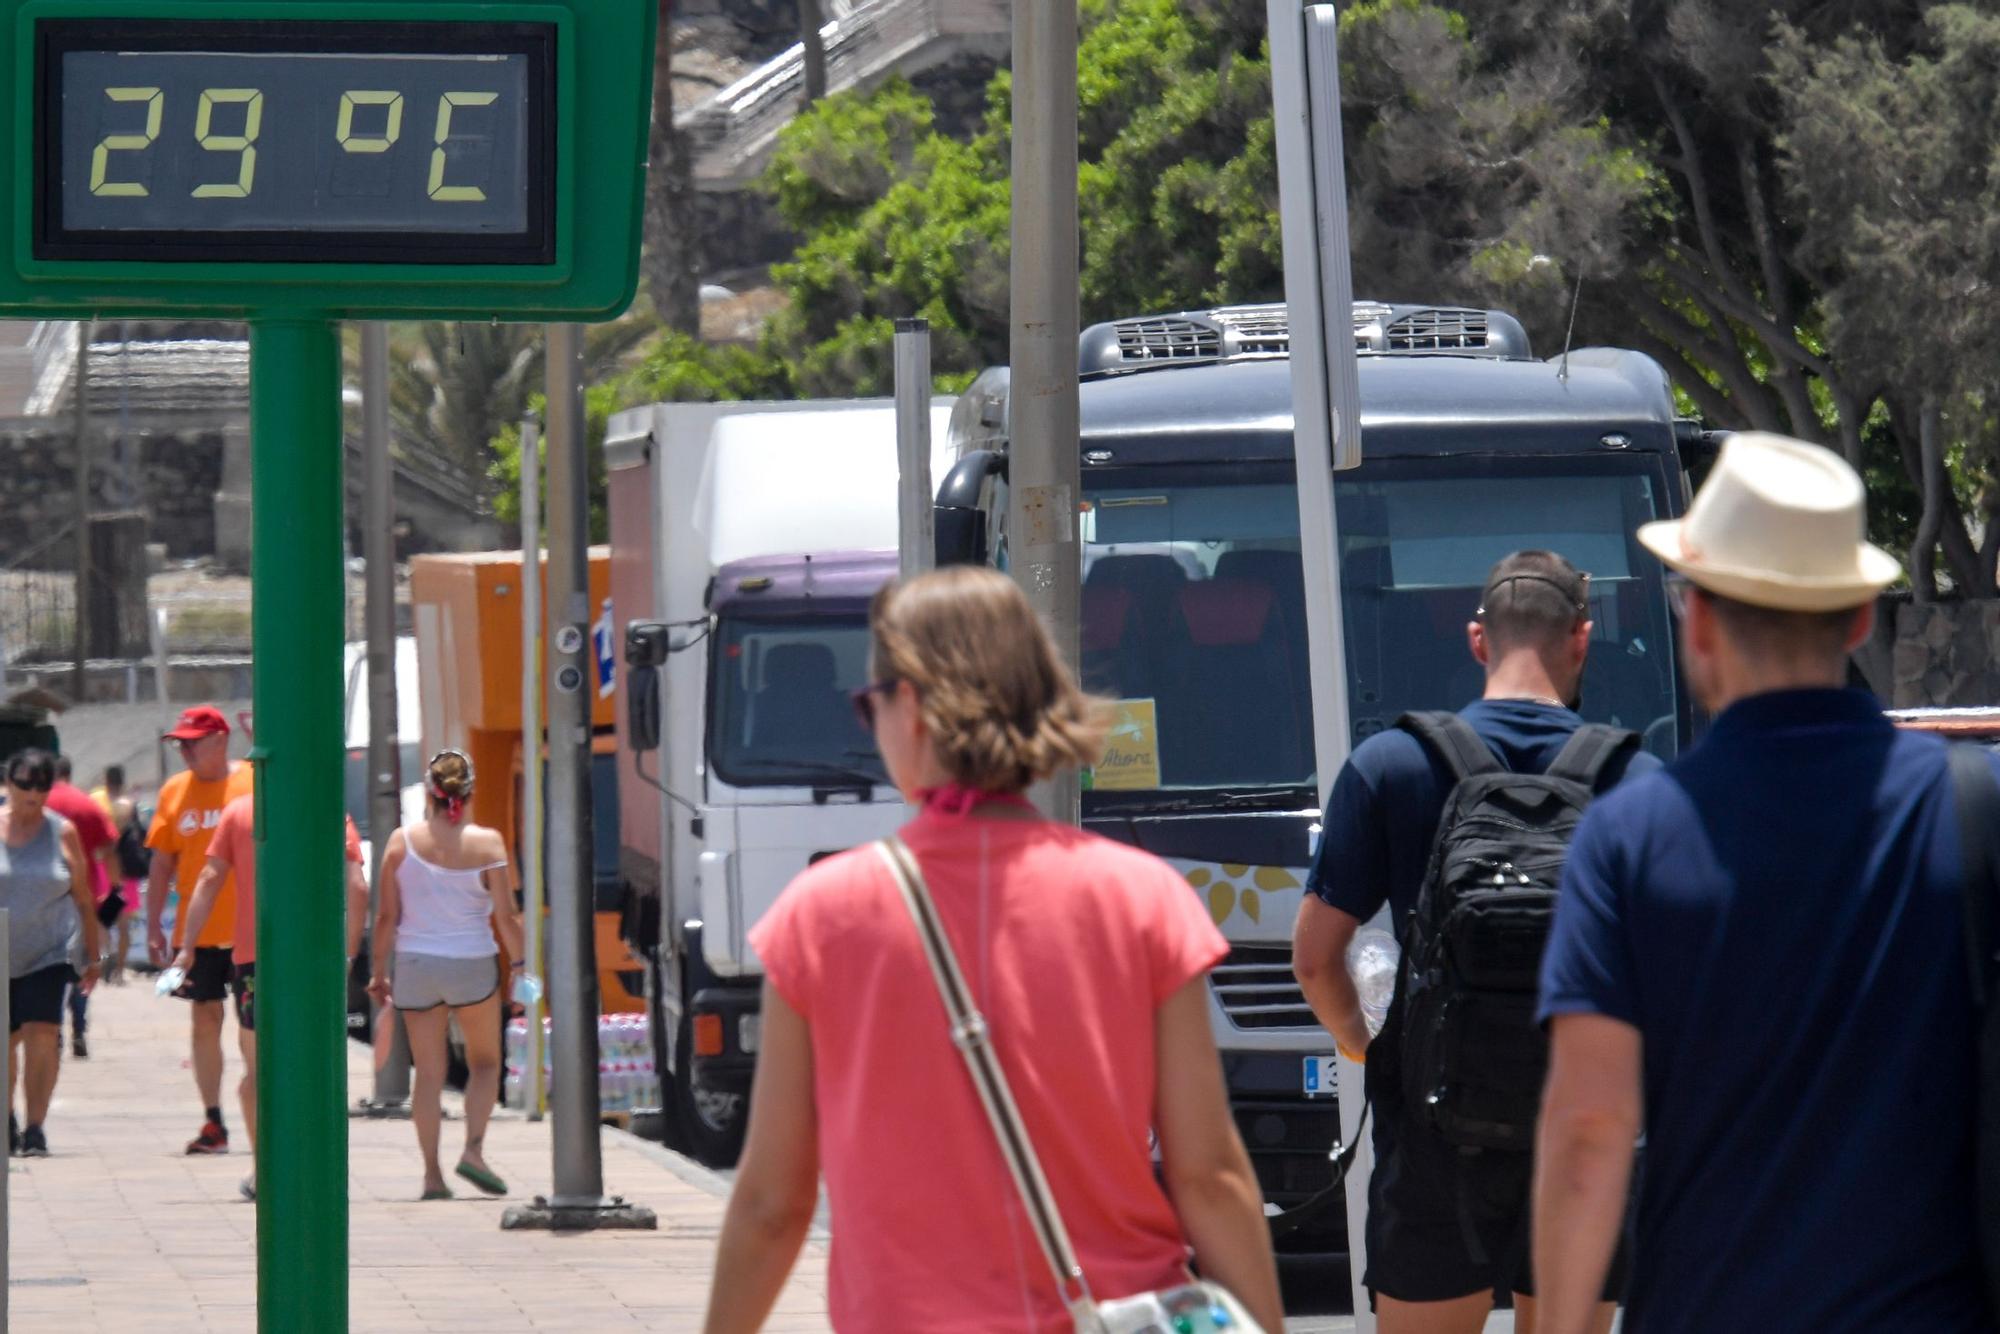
column 45, row 889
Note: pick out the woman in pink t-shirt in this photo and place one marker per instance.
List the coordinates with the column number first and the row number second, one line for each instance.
column 1087, row 959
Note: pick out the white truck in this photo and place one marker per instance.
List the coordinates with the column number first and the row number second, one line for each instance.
column 746, row 541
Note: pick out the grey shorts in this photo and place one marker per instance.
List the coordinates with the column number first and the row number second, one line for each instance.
column 426, row 981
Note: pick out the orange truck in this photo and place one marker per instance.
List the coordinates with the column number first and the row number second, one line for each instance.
column 467, row 610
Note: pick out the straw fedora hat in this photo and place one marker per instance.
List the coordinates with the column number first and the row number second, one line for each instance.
column 1779, row 523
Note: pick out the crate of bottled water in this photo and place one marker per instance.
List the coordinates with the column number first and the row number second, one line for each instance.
column 627, row 1080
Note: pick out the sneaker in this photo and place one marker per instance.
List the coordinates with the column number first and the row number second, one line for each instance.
column 79, row 1048
column 34, row 1144
column 248, row 1187
column 13, row 1136
column 212, row 1139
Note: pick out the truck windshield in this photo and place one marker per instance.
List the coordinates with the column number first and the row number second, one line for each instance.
column 1194, row 605
column 779, row 714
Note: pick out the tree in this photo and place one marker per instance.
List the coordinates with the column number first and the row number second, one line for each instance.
column 1713, row 182
column 813, row 47
column 452, row 387
column 669, row 261
column 674, row 369
column 1891, row 163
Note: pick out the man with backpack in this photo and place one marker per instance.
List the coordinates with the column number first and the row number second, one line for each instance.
column 1460, row 824
column 1761, row 957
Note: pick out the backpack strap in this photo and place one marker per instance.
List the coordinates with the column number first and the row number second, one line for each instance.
column 1977, row 798
column 1589, row 752
column 1451, row 739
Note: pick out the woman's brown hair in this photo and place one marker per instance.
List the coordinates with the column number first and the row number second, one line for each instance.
column 1002, row 708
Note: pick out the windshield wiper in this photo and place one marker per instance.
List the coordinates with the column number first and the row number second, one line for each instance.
column 815, row 773
column 1254, row 799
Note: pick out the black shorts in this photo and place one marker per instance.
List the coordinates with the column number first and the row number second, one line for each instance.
column 38, row 997
column 243, row 986
column 208, row 980
column 1446, row 1222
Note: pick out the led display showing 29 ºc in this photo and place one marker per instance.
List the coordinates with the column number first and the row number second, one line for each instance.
column 310, row 141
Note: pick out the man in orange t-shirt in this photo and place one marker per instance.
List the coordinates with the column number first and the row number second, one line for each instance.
column 232, row 854
column 188, row 809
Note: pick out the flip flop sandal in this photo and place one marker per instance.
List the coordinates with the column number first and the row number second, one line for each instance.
column 441, row 1193
column 483, row 1178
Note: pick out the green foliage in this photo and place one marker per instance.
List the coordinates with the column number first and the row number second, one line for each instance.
column 674, row 369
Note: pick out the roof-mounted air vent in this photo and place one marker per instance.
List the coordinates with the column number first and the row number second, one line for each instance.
column 1248, row 333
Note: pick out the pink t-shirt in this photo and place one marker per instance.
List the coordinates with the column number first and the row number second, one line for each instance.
column 1070, row 943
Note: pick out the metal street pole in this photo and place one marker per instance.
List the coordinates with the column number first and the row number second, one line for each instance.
column 296, row 595
column 531, row 736
column 385, row 766
column 1326, row 431
column 578, row 1200
column 1042, row 452
column 79, row 674
column 916, row 529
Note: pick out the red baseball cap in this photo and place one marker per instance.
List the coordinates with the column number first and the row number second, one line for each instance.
column 198, row 722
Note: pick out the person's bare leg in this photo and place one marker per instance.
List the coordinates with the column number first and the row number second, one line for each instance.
column 13, row 1068
column 427, row 1053
column 246, row 1092
column 1524, row 1315
column 205, row 1051
column 1461, row 1315
column 42, row 1059
column 480, row 1026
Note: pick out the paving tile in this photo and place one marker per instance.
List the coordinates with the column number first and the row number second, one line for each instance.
column 164, row 1243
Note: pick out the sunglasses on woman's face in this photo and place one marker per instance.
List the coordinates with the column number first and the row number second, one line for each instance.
column 863, row 700
column 31, row 784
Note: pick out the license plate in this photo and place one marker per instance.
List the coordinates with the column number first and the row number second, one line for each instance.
column 1322, row 1076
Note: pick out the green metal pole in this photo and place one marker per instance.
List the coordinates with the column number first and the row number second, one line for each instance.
column 296, row 580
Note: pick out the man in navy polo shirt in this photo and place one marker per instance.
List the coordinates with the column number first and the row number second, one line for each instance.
column 1447, row 1229
column 1758, row 960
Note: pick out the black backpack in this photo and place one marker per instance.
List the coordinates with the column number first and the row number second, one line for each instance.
column 135, row 859
column 1471, row 1055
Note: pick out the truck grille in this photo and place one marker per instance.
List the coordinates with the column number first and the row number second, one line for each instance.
column 1168, row 340
column 1257, row 990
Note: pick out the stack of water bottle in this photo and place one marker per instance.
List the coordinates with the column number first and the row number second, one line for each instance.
column 626, row 1078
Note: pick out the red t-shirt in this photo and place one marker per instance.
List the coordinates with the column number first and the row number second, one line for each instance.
column 1071, row 943
column 234, row 844
column 93, row 827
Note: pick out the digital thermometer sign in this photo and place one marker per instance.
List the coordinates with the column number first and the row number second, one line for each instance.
column 318, row 143
column 345, row 159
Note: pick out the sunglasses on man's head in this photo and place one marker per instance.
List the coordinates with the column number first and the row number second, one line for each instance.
column 863, row 700
column 1679, row 589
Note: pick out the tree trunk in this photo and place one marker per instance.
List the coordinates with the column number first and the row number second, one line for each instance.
column 673, row 279
column 1930, row 527
column 811, row 20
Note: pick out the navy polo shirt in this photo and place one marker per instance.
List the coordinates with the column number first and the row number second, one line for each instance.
column 1778, row 914
column 1382, row 816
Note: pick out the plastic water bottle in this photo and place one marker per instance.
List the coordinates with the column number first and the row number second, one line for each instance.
column 527, row 989
column 1372, row 957
column 170, row 981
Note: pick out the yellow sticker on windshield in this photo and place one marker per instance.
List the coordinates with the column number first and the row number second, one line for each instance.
column 1131, row 749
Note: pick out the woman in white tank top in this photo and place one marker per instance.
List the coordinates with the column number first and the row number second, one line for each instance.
column 446, row 889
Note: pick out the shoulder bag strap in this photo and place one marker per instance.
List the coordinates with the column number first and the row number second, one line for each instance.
column 1451, row 739
column 974, row 1041
column 1587, row 753
column 1977, row 798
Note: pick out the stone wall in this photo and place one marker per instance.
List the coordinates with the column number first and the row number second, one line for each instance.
column 179, row 472
column 1944, row 654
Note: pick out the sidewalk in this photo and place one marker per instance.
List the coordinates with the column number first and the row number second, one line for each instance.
column 117, row 1230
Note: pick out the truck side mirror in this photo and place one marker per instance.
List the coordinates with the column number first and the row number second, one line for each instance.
column 642, row 719
column 647, row 644
column 957, row 516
